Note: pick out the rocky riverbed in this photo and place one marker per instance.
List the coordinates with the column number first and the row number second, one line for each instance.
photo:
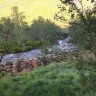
column 10, row 68
column 21, row 56
column 61, row 46
column 27, row 61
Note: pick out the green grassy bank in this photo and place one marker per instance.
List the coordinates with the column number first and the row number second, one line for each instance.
column 56, row 79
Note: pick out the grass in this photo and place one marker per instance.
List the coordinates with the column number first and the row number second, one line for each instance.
column 56, row 79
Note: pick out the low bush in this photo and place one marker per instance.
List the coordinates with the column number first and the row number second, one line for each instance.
column 34, row 44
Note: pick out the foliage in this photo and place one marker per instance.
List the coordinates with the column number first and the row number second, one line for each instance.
column 18, row 19
column 82, row 22
column 82, row 29
column 85, row 36
column 88, row 79
column 44, row 30
column 40, row 33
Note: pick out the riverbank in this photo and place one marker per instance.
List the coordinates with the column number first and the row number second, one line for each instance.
column 11, row 68
column 36, row 81
column 17, row 48
column 56, row 79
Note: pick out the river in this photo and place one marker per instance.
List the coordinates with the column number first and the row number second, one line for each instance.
column 19, row 56
column 63, row 45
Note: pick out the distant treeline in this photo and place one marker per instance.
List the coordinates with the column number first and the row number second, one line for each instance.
column 19, row 36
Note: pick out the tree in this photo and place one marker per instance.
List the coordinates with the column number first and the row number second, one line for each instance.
column 6, row 24
column 18, row 30
column 6, row 28
column 80, row 18
column 18, row 18
column 44, row 30
column 82, row 28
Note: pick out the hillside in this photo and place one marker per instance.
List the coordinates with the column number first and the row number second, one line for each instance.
column 31, row 8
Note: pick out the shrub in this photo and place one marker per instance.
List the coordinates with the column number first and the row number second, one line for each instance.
column 34, row 44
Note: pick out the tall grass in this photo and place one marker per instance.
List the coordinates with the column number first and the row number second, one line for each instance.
column 53, row 80
column 56, row 79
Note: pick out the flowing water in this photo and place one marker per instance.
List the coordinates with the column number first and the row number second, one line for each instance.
column 62, row 45
column 24, row 55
